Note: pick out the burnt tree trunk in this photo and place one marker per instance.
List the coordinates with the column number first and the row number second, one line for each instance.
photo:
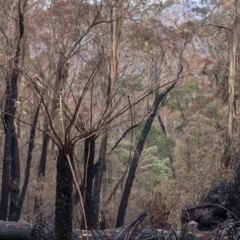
column 43, row 158
column 98, row 178
column 28, row 166
column 10, row 111
column 134, row 163
column 63, row 204
column 89, row 148
column 15, row 177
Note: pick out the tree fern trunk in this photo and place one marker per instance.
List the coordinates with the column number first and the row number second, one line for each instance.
column 63, row 204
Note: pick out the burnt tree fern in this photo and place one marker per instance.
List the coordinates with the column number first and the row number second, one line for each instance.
column 63, row 202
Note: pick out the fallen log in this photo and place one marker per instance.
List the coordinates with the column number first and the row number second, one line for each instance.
column 14, row 230
column 23, row 231
column 121, row 234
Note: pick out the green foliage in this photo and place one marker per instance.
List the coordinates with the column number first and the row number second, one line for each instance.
column 155, row 162
column 165, row 146
column 163, row 143
column 154, row 166
column 186, row 98
column 199, row 98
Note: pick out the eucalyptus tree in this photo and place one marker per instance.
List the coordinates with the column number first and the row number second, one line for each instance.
column 116, row 10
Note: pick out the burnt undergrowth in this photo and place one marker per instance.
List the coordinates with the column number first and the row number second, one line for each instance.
column 218, row 211
column 216, row 216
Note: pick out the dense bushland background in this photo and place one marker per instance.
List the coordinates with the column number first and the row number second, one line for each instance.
column 95, row 68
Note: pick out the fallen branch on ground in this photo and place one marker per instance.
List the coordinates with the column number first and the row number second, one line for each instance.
column 21, row 231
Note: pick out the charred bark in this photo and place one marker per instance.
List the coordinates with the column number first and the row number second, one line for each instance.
column 98, row 179
column 28, row 165
column 5, row 171
column 15, row 177
column 218, row 205
column 161, row 123
column 89, row 148
column 76, row 196
column 63, row 204
column 43, row 158
column 10, row 111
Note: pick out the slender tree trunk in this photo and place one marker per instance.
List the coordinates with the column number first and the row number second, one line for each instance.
column 41, row 174
column 134, row 163
column 28, row 166
column 10, row 111
column 164, row 130
column 231, row 80
column 9, row 128
column 43, row 157
column 20, row 89
column 15, row 177
column 63, row 204
column 89, row 148
column 117, row 12
column 162, row 125
column 231, row 90
column 98, row 178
